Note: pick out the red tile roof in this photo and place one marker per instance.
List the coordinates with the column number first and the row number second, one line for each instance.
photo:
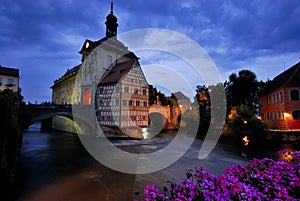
column 290, row 77
column 117, row 72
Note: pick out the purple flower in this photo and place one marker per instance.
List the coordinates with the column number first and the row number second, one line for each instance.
column 260, row 179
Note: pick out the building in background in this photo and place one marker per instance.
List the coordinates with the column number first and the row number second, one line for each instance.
column 63, row 88
column 9, row 78
column 280, row 104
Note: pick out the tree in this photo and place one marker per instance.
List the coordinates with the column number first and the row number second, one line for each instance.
column 243, row 89
column 152, row 94
column 241, row 122
column 203, row 102
column 10, row 139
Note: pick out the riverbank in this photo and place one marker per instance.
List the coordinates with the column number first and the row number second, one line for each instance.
column 55, row 166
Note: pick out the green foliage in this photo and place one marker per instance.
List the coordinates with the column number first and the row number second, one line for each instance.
column 203, row 102
column 190, row 120
column 241, row 122
column 10, row 138
column 243, row 89
column 154, row 94
column 25, row 115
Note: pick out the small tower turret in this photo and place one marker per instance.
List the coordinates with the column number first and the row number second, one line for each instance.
column 111, row 23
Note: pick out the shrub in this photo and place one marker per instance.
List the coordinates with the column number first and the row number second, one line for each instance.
column 260, row 179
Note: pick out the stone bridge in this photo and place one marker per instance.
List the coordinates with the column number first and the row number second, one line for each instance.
column 41, row 112
column 46, row 113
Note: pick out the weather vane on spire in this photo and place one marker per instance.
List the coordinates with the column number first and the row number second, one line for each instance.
column 112, row 7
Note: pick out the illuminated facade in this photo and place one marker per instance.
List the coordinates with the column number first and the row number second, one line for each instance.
column 122, row 95
column 78, row 85
column 63, row 88
column 280, row 105
column 109, row 77
column 9, row 79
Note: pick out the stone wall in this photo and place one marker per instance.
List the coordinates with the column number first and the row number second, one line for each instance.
column 286, row 136
column 171, row 114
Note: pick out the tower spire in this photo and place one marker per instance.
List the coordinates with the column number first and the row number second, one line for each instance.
column 111, row 22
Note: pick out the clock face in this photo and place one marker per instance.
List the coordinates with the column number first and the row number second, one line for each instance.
column 87, row 44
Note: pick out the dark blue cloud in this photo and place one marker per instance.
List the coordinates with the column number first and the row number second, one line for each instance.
column 43, row 38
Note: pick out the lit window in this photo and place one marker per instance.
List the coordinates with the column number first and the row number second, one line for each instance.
column 294, row 95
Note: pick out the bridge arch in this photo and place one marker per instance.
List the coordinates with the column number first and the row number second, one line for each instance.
column 60, row 117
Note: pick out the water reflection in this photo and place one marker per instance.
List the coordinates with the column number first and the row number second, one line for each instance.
column 49, row 156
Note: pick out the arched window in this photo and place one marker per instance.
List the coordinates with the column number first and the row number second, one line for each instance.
column 296, row 114
column 294, row 95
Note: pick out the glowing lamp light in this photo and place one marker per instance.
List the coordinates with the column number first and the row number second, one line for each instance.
column 287, row 155
column 286, row 115
column 246, row 141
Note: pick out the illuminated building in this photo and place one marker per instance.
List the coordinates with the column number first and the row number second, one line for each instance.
column 280, row 104
column 63, row 88
column 110, row 78
column 122, row 95
column 9, row 78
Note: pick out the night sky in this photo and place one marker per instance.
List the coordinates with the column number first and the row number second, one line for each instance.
column 42, row 38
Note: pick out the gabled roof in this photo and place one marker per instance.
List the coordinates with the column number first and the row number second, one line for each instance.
column 117, row 72
column 290, row 77
column 68, row 73
column 94, row 44
column 9, row 71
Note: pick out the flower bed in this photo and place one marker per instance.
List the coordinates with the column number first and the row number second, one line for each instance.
column 260, row 179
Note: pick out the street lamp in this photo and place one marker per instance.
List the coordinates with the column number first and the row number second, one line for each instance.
column 246, row 141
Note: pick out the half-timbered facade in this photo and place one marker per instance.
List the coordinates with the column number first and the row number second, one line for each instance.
column 122, row 96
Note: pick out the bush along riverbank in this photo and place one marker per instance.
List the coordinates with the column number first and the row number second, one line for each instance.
column 10, row 141
column 260, row 179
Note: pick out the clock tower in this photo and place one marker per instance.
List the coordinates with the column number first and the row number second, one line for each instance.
column 111, row 23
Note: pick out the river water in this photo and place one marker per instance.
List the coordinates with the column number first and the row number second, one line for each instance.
column 55, row 166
